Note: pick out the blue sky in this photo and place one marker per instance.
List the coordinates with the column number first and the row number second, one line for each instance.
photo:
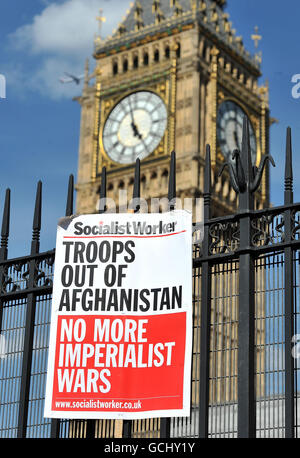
column 39, row 130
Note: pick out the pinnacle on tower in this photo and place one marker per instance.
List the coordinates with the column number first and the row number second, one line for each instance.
column 138, row 11
column 155, row 6
column 177, row 7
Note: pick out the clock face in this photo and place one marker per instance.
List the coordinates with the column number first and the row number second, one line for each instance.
column 230, row 129
column 135, row 127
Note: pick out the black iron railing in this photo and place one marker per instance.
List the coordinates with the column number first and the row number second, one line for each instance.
column 246, row 305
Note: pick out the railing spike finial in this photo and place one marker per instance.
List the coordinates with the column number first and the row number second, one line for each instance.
column 244, row 177
column 207, row 184
column 207, row 176
column 137, row 186
column 36, row 226
column 5, row 225
column 246, row 152
column 288, row 178
column 102, row 206
column 172, row 182
column 137, row 181
column 69, row 206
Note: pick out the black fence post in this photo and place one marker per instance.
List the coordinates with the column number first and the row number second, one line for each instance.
column 165, row 423
column 3, row 248
column 91, row 424
column 127, row 424
column 246, row 329
column 289, row 293
column 30, row 318
column 205, row 306
column 55, row 422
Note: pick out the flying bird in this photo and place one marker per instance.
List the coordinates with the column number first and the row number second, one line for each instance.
column 71, row 78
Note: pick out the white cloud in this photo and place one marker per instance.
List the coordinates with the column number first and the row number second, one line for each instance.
column 46, row 78
column 59, row 39
column 60, row 28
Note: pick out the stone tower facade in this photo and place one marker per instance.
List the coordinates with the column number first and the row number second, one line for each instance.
column 174, row 76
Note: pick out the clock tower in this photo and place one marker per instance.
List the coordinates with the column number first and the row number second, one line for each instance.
column 173, row 76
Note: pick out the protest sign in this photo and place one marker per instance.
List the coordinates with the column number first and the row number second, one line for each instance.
column 121, row 324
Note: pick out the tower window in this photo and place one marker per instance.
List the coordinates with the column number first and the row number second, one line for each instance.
column 125, row 65
column 115, row 68
column 167, row 52
column 135, row 62
column 156, row 55
column 204, row 51
column 178, row 51
column 146, row 59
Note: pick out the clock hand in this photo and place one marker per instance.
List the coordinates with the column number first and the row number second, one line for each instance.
column 236, row 139
column 137, row 133
column 134, row 127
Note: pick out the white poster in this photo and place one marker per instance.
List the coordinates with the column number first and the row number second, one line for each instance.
column 121, row 324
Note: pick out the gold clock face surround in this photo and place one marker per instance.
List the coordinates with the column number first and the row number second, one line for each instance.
column 135, row 127
column 230, row 129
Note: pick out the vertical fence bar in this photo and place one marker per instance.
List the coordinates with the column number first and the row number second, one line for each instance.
column 90, row 429
column 30, row 317
column 205, row 306
column 55, row 422
column 127, row 424
column 91, row 424
column 137, row 186
column 246, row 329
column 102, row 205
column 289, row 294
column 172, row 182
column 165, row 423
